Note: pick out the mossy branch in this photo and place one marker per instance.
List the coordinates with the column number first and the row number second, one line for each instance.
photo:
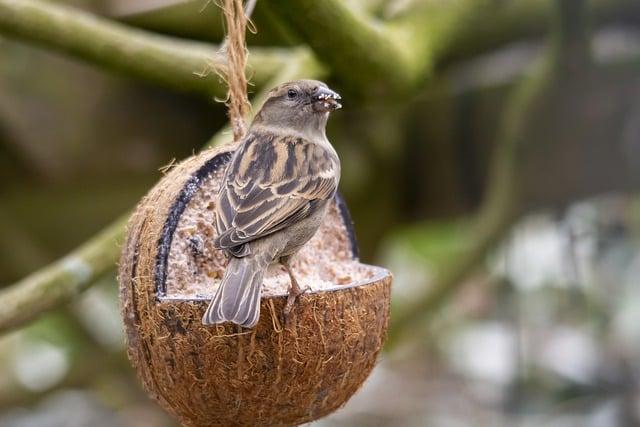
column 353, row 46
column 61, row 281
column 178, row 64
column 404, row 52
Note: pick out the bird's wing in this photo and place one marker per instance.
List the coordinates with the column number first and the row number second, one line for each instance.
column 272, row 183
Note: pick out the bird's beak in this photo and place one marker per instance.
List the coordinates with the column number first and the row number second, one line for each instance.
column 324, row 100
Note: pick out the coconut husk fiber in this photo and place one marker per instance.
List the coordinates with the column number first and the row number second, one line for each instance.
column 276, row 374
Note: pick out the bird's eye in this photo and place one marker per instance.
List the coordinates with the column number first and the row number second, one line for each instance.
column 292, row 93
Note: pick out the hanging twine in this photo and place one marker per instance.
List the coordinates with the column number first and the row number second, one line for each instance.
column 237, row 19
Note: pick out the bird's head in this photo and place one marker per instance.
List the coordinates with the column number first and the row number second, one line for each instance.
column 302, row 105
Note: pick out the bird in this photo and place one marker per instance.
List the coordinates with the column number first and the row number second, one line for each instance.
column 273, row 196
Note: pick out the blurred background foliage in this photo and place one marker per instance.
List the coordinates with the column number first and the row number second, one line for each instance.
column 491, row 156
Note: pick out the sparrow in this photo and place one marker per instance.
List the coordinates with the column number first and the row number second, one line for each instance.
column 274, row 196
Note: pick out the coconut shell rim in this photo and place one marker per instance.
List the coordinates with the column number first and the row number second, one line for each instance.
column 380, row 274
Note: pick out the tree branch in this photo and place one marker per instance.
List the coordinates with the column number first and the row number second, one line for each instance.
column 353, row 46
column 406, row 51
column 61, row 281
column 178, row 64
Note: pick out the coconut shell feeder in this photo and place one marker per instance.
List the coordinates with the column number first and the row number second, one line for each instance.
column 279, row 373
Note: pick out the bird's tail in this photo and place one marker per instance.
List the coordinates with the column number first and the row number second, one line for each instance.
column 238, row 297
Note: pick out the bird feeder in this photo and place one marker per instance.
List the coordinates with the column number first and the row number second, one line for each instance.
column 283, row 371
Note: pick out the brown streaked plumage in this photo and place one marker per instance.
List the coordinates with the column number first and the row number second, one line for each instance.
column 274, row 195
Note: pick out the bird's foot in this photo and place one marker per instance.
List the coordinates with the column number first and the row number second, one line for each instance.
column 291, row 300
